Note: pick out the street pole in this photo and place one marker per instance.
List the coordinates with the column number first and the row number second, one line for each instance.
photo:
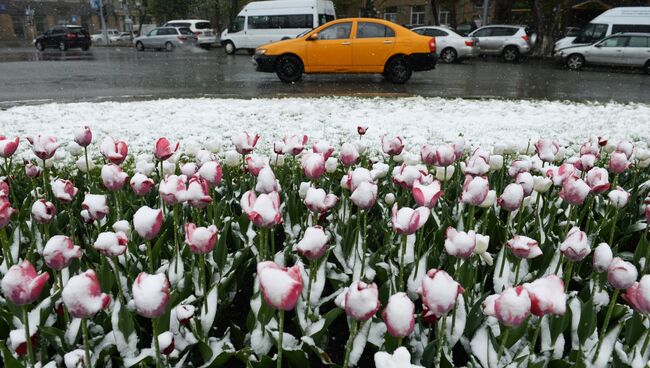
column 101, row 17
column 128, row 23
column 486, row 5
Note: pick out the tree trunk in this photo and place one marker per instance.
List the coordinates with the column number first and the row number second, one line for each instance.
column 434, row 12
column 217, row 16
column 234, row 9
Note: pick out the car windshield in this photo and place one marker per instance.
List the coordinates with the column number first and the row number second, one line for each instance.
column 203, row 25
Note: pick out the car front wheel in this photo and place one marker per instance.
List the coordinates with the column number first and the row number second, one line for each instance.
column 169, row 46
column 62, row 46
column 289, row 68
column 229, row 48
column 139, row 46
column 398, row 70
column 575, row 62
column 449, row 55
column 511, row 54
column 39, row 46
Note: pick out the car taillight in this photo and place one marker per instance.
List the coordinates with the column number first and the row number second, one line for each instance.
column 526, row 38
column 432, row 44
column 469, row 43
column 198, row 33
column 71, row 35
column 182, row 38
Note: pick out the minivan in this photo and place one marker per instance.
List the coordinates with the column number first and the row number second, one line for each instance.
column 262, row 22
column 612, row 21
column 201, row 28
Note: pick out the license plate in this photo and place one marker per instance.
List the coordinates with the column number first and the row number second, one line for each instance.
column 207, row 33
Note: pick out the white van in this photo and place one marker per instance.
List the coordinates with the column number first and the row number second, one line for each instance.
column 612, row 21
column 262, row 22
column 202, row 30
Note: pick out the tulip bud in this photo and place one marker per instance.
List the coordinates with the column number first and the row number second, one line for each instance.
column 478, row 163
column 189, row 169
column 427, row 194
column 141, row 185
column 63, row 190
column 198, row 192
column 443, row 174
column 113, row 177
column 122, row 226
column 547, row 149
column 574, row 190
column 201, row 240
column 362, row 129
column 392, row 146
column 602, row 257
column 163, row 149
column 151, row 294
column 7, row 146
column 489, row 200
column 173, row 189
column 212, row 172
column 59, row 252
column 598, row 180
column 331, row 165
column 83, row 136
column 281, row 287
column 184, row 313
column 439, row 292
column 389, row 199
column 496, row 162
column 398, row 315
column 576, row 246
column 519, row 166
column 475, row 190
column 111, row 244
column 512, row 307
column 618, row 197
column 524, row 247
column 263, row 211
column 44, row 147
column 511, row 198
column 294, row 144
column 147, row 222
column 43, row 211
column 313, row 244
column 32, row 170
column 618, row 162
column 526, row 181
column 541, row 184
column 318, row 201
column 95, row 205
column 21, row 285
column 621, row 274
column 361, row 300
column 407, row 221
column 232, row 159
column 83, row 296
column 114, row 151
column 638, row 295
column 266, row 181
column 244, row 142
column 547, row 296
column 166, row 343
column 349, row 154
column 365, row 195
column 459, row 243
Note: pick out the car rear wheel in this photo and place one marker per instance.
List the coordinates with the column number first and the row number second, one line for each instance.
column 511, row 54
column 62, row 46
column 139, row 46
column 85, row 48
column 449, row 55
column 39, row 46
column 169, row 46
column 229, row 48
column 289, row 68
column 575, row 62
column 398, row 70
column 647, row 67
column 251, row 52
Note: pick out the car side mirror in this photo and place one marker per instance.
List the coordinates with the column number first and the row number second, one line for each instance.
column 313, row 37
column 599, row 45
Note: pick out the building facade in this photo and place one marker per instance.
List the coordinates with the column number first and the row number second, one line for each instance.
column 412, row 13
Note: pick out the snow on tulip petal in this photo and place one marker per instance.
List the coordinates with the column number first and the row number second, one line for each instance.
column 426, row 195
column 399, row 315
column 618, row 162
column 361, row 300
column 349, row 154
column 513, row 306
column 598, row 180
column 294, row 144
column 147, row 222
column 524, row 247
column 618, row 197
column 459, row 243
column 407, row 220
column 173, row 189
column 212, row 172
column 59, row 252
column 7, row 146
column 111, row 244
column 201, row 240
column 621, row 274
column 21, row 285
column 439, row 292
column 83, row 136
column 266, row 181
column 83, row 296
column 638, row 295
column 313, row 165
column 151, row 294
column 113, row 177
column 547, row 295
column 164, row 149
column 365, row 195
column 43, row 211
column 576, row 246
column 44, row 147
column 475, row 190
column 313, row 244
column 244, row 142
column 96, row 205
column 547, row 149
column 574, row 190
column 512, row 197
column 63, row 190
column 317, row 200
column 602, row 257
column 114, row 151
column 263, row 210
column 198, row 192
column 255, row 163
column 392, row 146
column 281, row 287
column 141, row 185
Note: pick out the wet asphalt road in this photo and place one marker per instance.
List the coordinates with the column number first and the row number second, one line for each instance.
column 27, row 77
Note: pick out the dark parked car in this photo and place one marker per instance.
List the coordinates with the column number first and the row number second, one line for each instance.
column 63, row 38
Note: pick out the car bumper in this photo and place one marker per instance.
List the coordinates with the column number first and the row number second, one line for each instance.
column 423, row 61
column 468, row 52
column 264, row 63
column 207, row 40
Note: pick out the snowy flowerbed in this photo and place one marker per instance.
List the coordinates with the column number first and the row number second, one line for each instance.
column 350, row 232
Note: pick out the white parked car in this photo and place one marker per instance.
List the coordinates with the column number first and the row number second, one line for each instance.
column 202, row 29
column 450, row 46
column 113, row 36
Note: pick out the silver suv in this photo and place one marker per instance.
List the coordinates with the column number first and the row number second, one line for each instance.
column 510, row 42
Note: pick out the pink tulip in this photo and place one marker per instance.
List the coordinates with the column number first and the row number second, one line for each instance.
column 519, row 166
column 313, row 165
column 31, row 170
column 201, row 240
column 524, row 247
column 589, row 148
column 618, row 162
column 576, row 246
column 441, row 156
column 598, row 180
column 475, row 190
column 439, row 292
column 151, row 294
column 602, row 257
column 392, row 146
column 83, row 296
column 317, row 200
column 426, row 195
column 95, row 205
column 173, row 189
column 294, row 144
column 21, row 285
column 459, row 243
column 638, row 295
column 111, row 244
column 349, row 154
column 63, row 190
column 184, row 313
column 547, row 149
column 406, row 175
column 212, row 172
column 114, row 151
column 547, row 296
column 281, row 287
column 244, row 142
column 263, row 211
column 163, row 149
column 527, row 182
column 574, row 190
column 586, row 162
column 621, row 274
column 459, row 147
column 362, row 129
column 141, row 185
column 59, row 252
column 4, row 188
column 166, row 343
column 313, row 244
column 44, row 147
column 324, row 148
column 365, row 195
column 361, row 300
column 399, row 315
column 618, row 197
column 198, row 192
column 5, row 211
column 478, row 163
column 255, row 163
column 7, row 146
column 355, row 178
column 560, row 174
column 626, row 148
column 147, row 222
column 512, row 197
column 266, row 181
column 189, row 169
column 512, row 307
column 113, row 177
column 407, row 221
column 83, row 136
column 43, row 211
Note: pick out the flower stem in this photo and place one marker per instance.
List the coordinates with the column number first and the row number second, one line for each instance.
column 611, row 233
column 149, row 256
column 348, row 346
column 87, row 169
column 363, row 244
column 502, row 345
column 280, row 336
column 176, row 246
column 567, row 275
column 203, row 280
column 154, row 326
column 84, row 331
column 441, row 340
column 28, row 337
column 6, row 249
column 312, row 272
column 118, row 280
column 401, row 263
column 603, row 330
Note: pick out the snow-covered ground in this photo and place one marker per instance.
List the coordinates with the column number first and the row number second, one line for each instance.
column 417, row 119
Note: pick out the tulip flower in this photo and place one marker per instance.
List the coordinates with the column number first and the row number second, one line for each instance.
column 166, row 343
column 263, row 211
column 512, row 197
column 519, row 166
column 31, row 170
column 147, row 222
column 621, row 274
column 362, row 129
column 7, row 146
column 173, row 189
column 141, row 185
column 406, row 175
column 324, row 148
column 360, row 300
column 349, row 154
column 392, row 146
column 618, row 162
column 294, row 144
column 638, row 295
column 83, row 296
column 475, row 190
column 440, row 156
column 255, row 163
column 541, row 184
column 189, row 169
column 318, row 201
column 281, row 287
column 586, row 162
column 266, row 181
column 313, row 244
column 407, row 221
column 439, row 292
column 459, row 147
column 513, row 306
column 201, row 240
column 354, row 178
column 64, row 190
column 83, row 136
column 184, row 313
column 547, row 149
column 626, row 148
column 244, row 142
column 478, row 163
column 44, row 147
column 331, row 164
column 574, row 190
column 525, row 179
column 163, row 149
column 111, row 244
column 598, row 180
column 559, row 174
column 365, row 195
column 198, row 193
column 114, row 151
column 576, row 246
column 618, row 197
column 151, row 294
column 113, row 177
column 426, row 195
column 547, row 296
column 59, row 252
column 95, row 206
column 602, row 257
column 399, row 315
column 21, row 285
column 313, row 165
column 589, row 148
column 459, row 243
column 211, row 171
column 43, row 211
column 524, row 247
column 5, row 211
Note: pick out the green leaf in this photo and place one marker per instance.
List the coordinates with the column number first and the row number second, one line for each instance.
column 634, row 329
column 8, row 360
column 475, row 316
column 559, row 324
column 429, row 354
column 587, row 320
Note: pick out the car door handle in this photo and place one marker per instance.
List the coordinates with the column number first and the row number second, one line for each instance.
column 346, row 43
column 388, row 41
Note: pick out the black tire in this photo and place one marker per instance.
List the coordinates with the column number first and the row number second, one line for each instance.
column 398, row 70
column 169, row 46
column 229, row 48
column 647, row 67
column 511, row 54
column 449, row 55
column 575, row 62
column 85, row 48
column 289, row 68
column 39, row 46
column 251, row 52
column 139, row 46
column 206, row 46
column 62, row 46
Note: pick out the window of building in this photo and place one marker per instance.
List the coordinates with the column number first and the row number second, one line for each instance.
column 443, row 17
column 417, row 15
column 390, row 14
column 19, row 27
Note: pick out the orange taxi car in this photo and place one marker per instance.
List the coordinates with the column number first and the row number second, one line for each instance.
column 351, row 45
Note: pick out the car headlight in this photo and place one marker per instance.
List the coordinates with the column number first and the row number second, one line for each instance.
column 260, row 51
